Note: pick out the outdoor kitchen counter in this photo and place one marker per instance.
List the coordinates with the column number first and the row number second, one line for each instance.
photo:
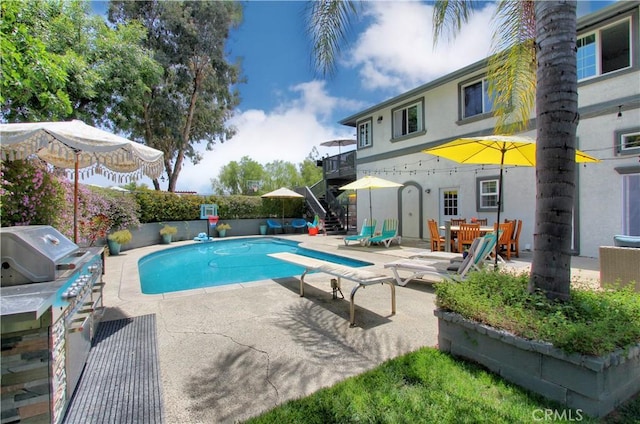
column 34, row 298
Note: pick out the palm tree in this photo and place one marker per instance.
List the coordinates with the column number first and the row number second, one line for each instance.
column 532, row 35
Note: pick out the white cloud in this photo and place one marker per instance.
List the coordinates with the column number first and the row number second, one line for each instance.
column 287, row 133
column 396, row 51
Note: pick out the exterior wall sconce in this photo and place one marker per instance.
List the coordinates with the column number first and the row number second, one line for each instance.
column 619, row 112
column 428, row 190
column 380, row 119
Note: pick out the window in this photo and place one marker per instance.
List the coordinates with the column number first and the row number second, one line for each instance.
column 487, row 194
column 364, row 134
column 449, row 203
column 407, row 120
column 604, row 51
column 628, row 141
column 476, row 99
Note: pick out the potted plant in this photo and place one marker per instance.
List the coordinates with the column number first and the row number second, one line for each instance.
column 117, row 239
column 222, row 229
column 167, row 232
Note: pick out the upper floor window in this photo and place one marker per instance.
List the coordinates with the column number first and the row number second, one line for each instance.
column 407, row 119
column 476, row 99
column 628, row 141
column 604, row 51
column 364, row 134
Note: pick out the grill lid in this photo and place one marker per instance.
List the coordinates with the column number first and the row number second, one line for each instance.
column 34, row 252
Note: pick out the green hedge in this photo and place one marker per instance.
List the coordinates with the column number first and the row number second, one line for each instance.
column 155, row 206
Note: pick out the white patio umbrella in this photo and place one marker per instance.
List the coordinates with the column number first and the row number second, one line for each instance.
column 339, row 143
column 76, row 145
column 282, row 193
column 369, row 182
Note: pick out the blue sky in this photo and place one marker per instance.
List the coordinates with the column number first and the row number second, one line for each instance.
column 287, row 109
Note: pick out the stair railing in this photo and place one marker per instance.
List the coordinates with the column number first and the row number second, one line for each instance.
column 312, row 199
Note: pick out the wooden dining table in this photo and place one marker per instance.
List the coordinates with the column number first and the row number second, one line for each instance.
column 451, row 230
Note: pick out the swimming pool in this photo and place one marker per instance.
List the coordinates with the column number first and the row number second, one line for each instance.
column 224, row 262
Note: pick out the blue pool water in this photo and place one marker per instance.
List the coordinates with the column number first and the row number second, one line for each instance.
column 224, row 262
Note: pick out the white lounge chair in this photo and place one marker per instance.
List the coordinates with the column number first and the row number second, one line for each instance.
column 362, row 277
column 478, row 252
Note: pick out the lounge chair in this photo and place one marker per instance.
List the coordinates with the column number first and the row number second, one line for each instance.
column 274, row 225
column 389, row 233
column 366, row 232
column 479, row 251
column 299, row 223
column 361, row 277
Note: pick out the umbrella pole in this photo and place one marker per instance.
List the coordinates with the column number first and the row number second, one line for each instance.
column 75, row 200
column 370, row 214
column 495, row 265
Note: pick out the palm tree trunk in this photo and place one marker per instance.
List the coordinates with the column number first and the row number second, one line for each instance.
column 556, row 122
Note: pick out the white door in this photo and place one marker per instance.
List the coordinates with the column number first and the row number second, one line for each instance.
column 410, row 219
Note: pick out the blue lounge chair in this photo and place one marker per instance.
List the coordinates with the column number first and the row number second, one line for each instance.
column 274, row 225
column 366, row 232
column 389, row 233
column 298, row 223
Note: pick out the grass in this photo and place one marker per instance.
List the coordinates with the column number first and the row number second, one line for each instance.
column 428, row 386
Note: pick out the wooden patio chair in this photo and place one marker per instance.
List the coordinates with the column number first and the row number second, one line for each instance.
column 437, row 241
column 514, row 244
column 458, row 221
column 466, row 234
column 504, row 241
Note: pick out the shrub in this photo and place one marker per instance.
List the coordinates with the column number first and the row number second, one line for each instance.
column 121, row 236
column 168, row 230
column 590, row 323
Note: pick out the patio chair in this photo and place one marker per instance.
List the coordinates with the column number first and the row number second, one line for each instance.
column 274, row 225
column 467, row 234
column 388, row 235
column 456, row 271
column 299, row 223
column 514, row 244
column 504, row 241
column 366, row 232
column 437, row 241
column 458, row 221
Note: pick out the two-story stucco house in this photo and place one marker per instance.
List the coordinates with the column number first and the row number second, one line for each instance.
column 391, row 136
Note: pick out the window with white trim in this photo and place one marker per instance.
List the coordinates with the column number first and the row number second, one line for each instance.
column 487, row 194
column 605, row 50
column 364, row 134
column 476, row 99
column 407, row 119
column 628, row 141
column 449, row 203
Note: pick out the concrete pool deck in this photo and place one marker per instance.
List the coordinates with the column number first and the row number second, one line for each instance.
column 229, row 353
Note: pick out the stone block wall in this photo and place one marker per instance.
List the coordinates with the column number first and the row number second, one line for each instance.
column 594, row 385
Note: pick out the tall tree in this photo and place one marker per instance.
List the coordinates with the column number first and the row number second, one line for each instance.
column 555, row 100
column 196, row 95
column 60, row 62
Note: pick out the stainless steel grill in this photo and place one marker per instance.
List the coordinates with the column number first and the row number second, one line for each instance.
column 44, row 272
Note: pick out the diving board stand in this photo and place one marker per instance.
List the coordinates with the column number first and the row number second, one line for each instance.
column 362, row 277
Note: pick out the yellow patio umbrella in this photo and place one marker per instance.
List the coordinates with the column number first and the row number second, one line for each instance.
column 369, row 182
column 495, row 150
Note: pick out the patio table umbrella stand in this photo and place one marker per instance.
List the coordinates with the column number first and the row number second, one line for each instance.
column 494, row 150
column 369, row 182
column 76, row 145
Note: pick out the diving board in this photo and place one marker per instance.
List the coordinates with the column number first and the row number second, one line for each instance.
column 360, row 276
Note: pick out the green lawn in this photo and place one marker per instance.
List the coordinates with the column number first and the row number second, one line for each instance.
column 428, row 386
